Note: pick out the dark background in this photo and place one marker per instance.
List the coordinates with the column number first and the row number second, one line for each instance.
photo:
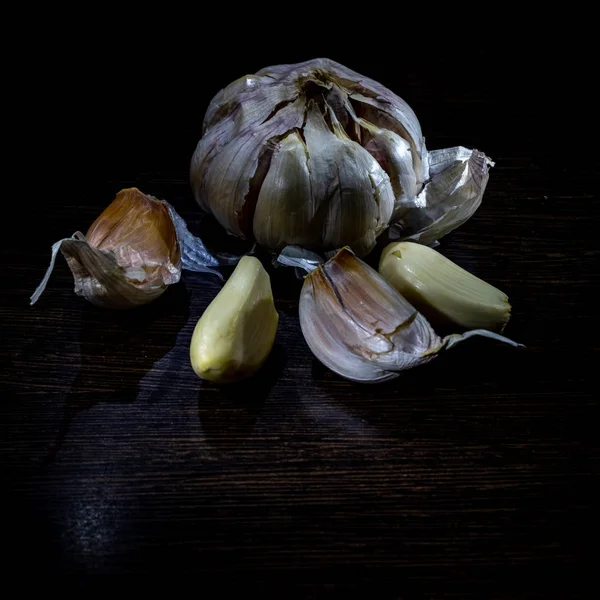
column 473, row 476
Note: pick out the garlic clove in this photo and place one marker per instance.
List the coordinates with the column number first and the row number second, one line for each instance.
column 129, row 256
column 330, row 348
column 350, row 315
column 235, row 334
column 234, row 112
column 393, row 153
column 99, row 278
column 441, row 290
column 359, row 326
column 231, row 185
column 285, row 207
column 138, row 230
column 352, row 194
column 385, row 116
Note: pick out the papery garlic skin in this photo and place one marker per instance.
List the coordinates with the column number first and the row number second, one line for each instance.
column 235, row 334
column 360, row 327
column 129, row 256
column 317, row 155
column 139, row 231
column 458, row 178
column 441, row 290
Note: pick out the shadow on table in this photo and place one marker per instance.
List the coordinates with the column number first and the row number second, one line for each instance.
column 117, row 349
column 474, row 372
column 229, row 412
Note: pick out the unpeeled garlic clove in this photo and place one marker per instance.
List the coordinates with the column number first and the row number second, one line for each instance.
column 235, row 334
column 360, row 327
column 441, row 290
column 129, row 256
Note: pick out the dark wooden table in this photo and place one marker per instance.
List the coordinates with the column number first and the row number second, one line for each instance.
column 474, row 474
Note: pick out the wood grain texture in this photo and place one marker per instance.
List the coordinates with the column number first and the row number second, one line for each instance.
column 474, row 475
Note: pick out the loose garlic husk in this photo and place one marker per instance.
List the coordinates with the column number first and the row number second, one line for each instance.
column 360, row 327
column 235, row 334
column 129, row 256
column 316, row 155
column 441, row 290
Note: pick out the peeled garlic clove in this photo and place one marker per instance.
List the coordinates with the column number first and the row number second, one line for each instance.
column 441, row 290
column 235, row 334
column 359, row 326
column 129, row 256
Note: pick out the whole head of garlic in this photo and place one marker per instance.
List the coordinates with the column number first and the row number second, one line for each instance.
column 316, row 155
column 129, row 256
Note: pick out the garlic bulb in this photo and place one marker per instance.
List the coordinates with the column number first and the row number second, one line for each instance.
column 316, row 155
column 128, row 257
column 441, row 290
column 360, row 327
column 235, row 334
